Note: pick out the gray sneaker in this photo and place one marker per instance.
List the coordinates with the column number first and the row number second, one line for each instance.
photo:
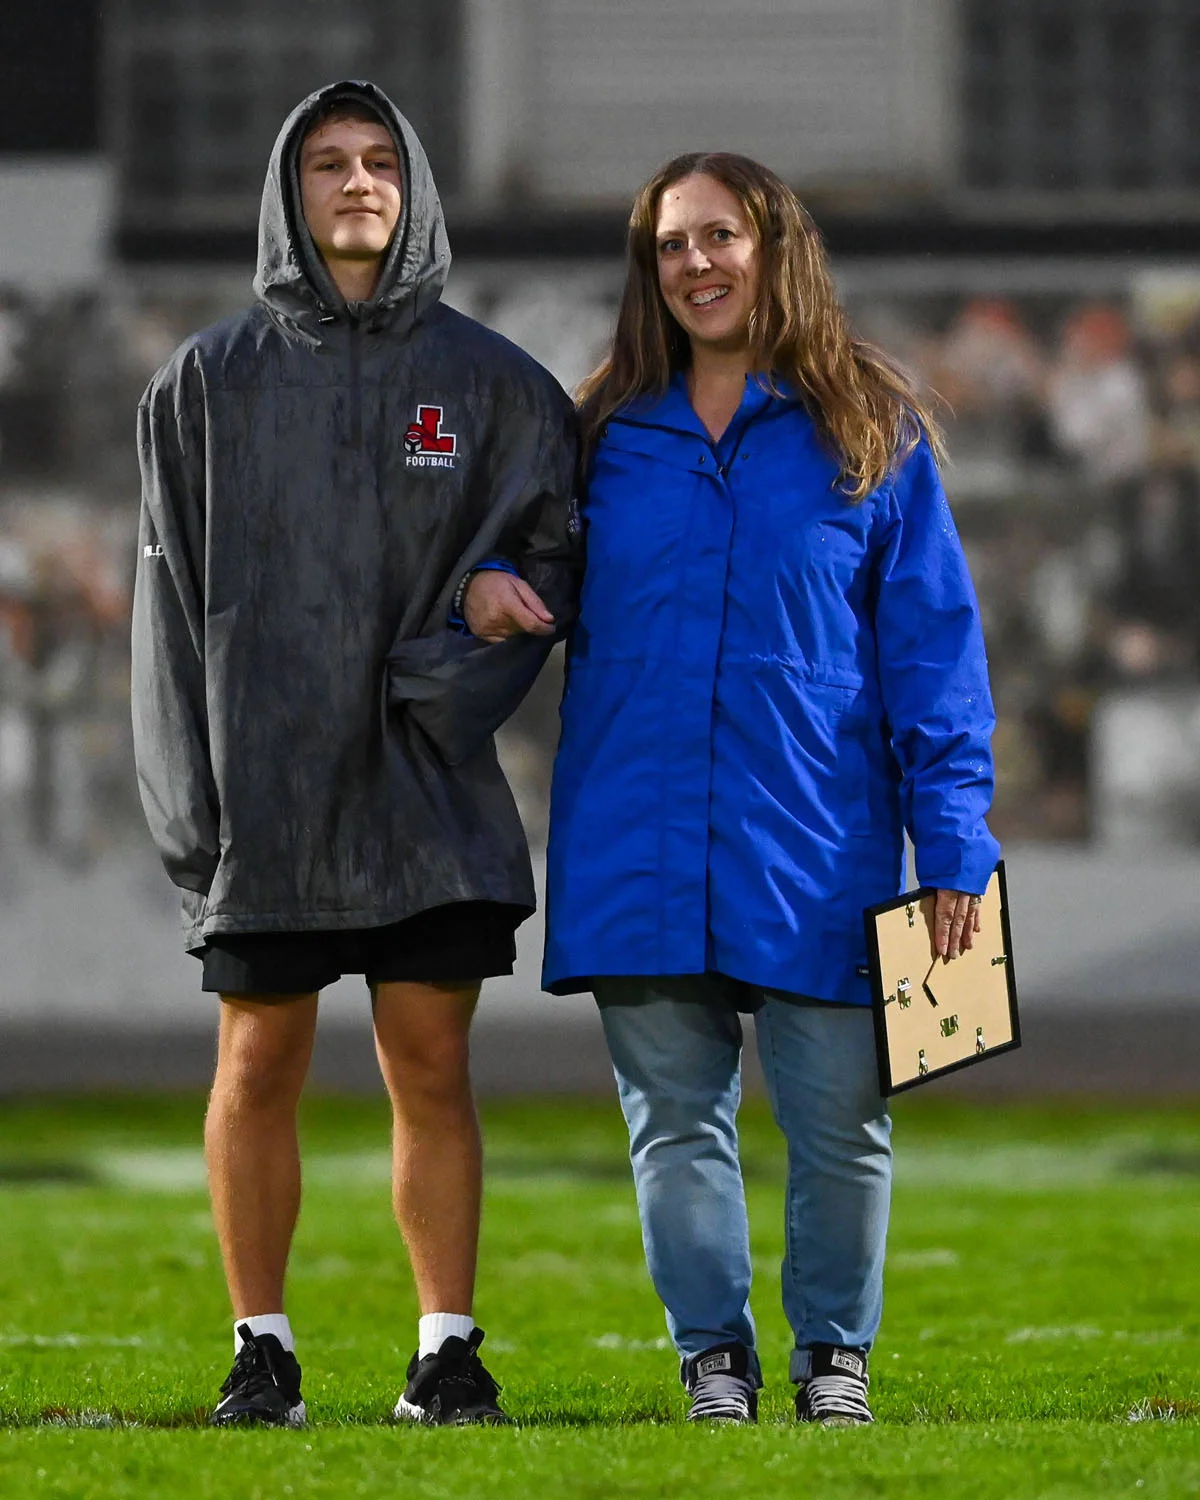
column 719, row 1383
column 835, row 1393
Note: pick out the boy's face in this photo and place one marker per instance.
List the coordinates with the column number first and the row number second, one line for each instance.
column 350, row 189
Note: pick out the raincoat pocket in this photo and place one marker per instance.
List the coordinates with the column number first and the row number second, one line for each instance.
column 459, row 690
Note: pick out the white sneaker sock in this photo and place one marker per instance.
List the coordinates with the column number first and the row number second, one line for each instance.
column 276, row 1323
column 434, row 1328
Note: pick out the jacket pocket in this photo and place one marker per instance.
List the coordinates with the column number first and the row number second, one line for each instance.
column 821, row 728
column 459, row 690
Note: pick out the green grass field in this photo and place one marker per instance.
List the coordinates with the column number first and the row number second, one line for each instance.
column 1041, row 1335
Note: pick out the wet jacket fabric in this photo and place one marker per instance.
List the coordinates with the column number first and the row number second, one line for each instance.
column 313, row 741
column 766, row 684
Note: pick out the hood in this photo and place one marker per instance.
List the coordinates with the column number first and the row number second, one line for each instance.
column 292, row 279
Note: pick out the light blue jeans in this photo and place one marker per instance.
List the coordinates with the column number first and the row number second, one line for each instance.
column 676, row 1047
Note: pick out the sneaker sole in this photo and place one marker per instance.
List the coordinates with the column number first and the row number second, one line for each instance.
column 295, row 1416
column 407, row 1411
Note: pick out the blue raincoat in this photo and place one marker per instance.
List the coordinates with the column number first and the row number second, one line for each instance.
column 766, row 685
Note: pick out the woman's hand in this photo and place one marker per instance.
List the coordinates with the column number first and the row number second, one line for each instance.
column 955, row 923
column 497, row 605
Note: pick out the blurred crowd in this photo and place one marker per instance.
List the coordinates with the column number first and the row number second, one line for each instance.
column 1074, row 433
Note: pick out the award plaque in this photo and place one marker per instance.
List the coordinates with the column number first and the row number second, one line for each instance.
column 934, row 1016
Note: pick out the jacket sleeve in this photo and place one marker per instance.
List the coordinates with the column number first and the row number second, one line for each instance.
column 934, row 679
column 170, row 719
column 458, row 689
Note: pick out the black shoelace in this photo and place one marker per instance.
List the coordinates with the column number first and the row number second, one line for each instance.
column 461, row 1379
column 468, row 1383
column 254, row 1368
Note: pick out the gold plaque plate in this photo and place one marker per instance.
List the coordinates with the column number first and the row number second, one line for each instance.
column 933, row 1017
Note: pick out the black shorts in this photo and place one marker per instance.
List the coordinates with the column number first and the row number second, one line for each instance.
column 460, row 942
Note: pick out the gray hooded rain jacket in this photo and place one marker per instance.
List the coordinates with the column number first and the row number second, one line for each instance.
column 314, row 744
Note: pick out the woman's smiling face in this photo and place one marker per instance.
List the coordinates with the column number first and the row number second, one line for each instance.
column 708, row 262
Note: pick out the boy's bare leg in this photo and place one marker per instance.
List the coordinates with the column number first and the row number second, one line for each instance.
column 251, row 1145
column 421, row 1036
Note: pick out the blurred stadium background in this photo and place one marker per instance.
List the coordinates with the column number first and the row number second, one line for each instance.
column 1010, row 190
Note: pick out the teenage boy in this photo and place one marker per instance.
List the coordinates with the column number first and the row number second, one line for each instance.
column 355, row 553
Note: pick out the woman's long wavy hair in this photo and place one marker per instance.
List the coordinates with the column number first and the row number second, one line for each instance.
column 868, row 412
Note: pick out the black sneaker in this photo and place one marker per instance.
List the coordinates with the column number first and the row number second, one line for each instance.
column 720, row 1385
column 835, row 1393
column 450, row 1388
column 263, row 1387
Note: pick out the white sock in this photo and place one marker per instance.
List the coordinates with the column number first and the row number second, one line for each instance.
column 434, row 1328
column 276, row 1323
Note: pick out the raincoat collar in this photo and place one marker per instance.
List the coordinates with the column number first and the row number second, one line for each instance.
column 672, row 409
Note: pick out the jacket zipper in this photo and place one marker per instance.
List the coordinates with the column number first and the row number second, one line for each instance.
column 355, row 384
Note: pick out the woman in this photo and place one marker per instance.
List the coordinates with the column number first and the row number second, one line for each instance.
column 778, row 666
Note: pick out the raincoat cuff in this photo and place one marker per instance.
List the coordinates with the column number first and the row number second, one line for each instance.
column 967, row 867
column 489, row 565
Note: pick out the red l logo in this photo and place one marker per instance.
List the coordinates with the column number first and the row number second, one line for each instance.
column 425, row 435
